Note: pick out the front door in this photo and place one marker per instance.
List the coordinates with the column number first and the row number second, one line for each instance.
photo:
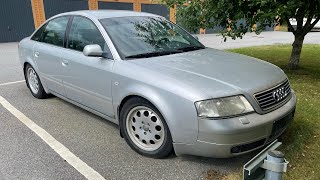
column 87, row 80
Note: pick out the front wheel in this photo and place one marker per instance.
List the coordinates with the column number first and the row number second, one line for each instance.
column 144, row 129
column 33, row 83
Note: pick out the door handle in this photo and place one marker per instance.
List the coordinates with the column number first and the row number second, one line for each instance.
column 65, row 63
column 36, row 54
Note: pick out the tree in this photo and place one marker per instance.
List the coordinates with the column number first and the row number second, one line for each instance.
column 228, row 14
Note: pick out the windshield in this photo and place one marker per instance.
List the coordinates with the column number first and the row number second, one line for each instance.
column 142, row 37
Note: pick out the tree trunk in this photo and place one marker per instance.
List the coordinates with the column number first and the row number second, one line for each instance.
column 296, row 52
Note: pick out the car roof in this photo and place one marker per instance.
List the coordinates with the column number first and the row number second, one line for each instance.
column 102, row 14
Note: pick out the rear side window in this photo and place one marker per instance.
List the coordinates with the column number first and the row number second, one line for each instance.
column 84, row 32
column 37, row 35
column 55, row 30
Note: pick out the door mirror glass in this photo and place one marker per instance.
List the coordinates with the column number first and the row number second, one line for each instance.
column 93, row 50
column 196, row 37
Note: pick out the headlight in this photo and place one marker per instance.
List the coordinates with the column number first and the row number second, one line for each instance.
column 222, row 107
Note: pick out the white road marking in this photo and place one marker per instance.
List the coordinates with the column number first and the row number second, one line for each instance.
column 8, row 83
column 64, row 152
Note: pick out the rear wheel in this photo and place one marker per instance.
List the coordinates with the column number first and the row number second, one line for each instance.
column 144, row 129
column 33, row 83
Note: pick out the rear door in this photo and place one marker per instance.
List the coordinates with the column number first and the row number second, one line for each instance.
column 87, row 80
column 48, row 52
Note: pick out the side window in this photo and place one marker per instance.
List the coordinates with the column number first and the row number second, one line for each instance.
column 83, row 32
column 55, row 30
column 38, row 34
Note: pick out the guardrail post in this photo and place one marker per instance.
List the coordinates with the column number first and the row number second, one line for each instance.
column 269, row 164
column 274, row 157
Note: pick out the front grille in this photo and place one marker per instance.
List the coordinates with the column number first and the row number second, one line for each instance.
column 273, row 97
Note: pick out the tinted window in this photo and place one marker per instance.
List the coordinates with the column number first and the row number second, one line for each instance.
column 37, row 35
column 83, row 32
column 55, row 30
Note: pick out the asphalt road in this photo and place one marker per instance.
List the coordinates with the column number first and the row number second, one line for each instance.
column 95, row 141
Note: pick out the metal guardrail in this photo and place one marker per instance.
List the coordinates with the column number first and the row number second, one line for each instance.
column 269, row 164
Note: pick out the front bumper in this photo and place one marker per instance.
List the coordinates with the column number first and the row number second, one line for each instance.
column 239, row 135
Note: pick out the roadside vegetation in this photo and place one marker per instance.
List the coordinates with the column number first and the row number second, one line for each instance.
column 301, row 141
column 237, row 17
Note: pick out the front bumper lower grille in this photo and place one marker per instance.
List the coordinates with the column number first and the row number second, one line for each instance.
column 273, row 97
column 247, row 147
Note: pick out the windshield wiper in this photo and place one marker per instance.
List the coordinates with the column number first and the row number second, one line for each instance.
column 190, row 48
column 153, row 54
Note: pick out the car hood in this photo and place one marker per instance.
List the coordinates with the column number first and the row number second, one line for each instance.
column 216, row 72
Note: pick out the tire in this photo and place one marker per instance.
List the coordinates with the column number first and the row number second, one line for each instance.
column 144, row 129
column 34, row 83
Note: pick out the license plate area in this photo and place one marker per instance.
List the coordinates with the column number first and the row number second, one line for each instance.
column 280, row 125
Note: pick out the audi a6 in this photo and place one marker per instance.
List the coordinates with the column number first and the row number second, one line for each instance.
column 166, row 91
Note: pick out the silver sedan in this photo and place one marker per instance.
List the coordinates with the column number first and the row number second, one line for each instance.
column 165, row 90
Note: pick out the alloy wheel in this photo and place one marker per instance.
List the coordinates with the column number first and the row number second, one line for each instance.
column 33, row 80
column 145, row 128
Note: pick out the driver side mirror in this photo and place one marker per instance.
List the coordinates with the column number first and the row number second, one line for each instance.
column 93, row 50
column 196, row 37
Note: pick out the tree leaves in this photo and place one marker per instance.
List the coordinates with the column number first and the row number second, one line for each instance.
column 196, row 14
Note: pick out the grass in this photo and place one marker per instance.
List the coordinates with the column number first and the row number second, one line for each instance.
column 301, row 141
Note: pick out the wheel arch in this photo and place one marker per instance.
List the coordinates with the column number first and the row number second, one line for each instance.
column 178, row 112
column 124, row 100
column 137, row 95
column 153, row 98
column 24, row 70
column 35, row 67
